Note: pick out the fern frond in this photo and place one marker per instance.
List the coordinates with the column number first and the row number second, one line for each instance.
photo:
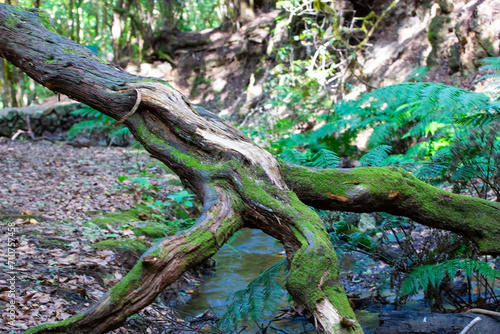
column 325, row 159
column 376, row 156
column 85, row 126
column 490, row 63
column 119, row 132
column 421, row 278
column 260, row 295
column 86, row 111
column 417, row 74
column 293, row 156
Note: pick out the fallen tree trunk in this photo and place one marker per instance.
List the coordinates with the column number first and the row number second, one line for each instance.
column 238, row 183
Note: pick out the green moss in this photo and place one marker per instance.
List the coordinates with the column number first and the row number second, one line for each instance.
column 69, row 50
column 488, row 46
column 137, row 246
column 10, row 22
column 46, row 20
column 130, row 282
column 99, row 59
column 122, row 218
column 435, row 37
column 316, row 250
column 153, row 230
column 63, row 323
column 51, row 61
column 469, row 216
column 200, row 236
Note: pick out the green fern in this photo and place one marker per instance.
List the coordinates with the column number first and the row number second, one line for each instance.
column 325, row 159
column 417, row 74
column 260, row 295
column 420, row 111
column 294, row 157
column 98, row 122
column 88, row 112
column 376, row 156
column 421, row 278
column 322, row 159
column 86, row 126
column 491, row 64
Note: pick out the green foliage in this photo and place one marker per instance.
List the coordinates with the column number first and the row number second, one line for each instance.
column 325, row 159
column 98, row 123
column 175, row 210
column 491, row 64
column 260, row 296
column 427, row 276
column 136, row 246
column 310, row 74
column 420, row 111
column 375, row 157
column 443, row 133
column 322, row 159
column 418, row 74
column 199, row 15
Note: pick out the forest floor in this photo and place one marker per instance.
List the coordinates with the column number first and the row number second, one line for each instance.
column 49, row 191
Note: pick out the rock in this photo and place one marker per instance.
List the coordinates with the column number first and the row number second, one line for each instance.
column 366, row 222
column 61, row 111
column 45, row 121
column 11, row 115
column 446, row 6
column 411, row 322
column 80, row 142
column 5, row 131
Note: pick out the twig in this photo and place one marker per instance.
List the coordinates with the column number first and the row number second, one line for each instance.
column 19, row 131
column 470, row 325
column 110, row 143
column 364, row 82
column 131, row 112
column 28, row 125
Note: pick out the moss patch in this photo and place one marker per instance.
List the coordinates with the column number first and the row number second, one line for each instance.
column 137, row 246
column 435, row 37
column 43, row 327
column 128, row 283
column 153, row 230
column 119, row 220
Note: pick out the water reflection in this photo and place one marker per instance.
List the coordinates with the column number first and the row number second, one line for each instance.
column 255, row 252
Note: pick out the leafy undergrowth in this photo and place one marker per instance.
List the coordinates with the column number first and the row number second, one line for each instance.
column 74, row 221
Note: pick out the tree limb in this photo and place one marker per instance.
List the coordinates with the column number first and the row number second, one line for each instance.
column 396, row 191
column 159, row 267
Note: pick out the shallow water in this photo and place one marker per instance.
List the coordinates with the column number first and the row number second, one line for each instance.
column 255, row 252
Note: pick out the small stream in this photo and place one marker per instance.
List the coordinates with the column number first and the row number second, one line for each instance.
column 255, row 252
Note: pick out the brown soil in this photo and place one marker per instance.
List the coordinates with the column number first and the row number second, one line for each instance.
column 47, row 193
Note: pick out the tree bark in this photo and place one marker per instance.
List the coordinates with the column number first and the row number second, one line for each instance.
column 238, row 183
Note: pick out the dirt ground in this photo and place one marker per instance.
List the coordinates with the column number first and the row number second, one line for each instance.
column 48, row 191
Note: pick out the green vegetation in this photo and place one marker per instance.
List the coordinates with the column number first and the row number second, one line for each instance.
column 260, row 296
column 135, row 246
column 97, row 124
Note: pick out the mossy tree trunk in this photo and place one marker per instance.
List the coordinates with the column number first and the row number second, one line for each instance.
column 238, row 183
